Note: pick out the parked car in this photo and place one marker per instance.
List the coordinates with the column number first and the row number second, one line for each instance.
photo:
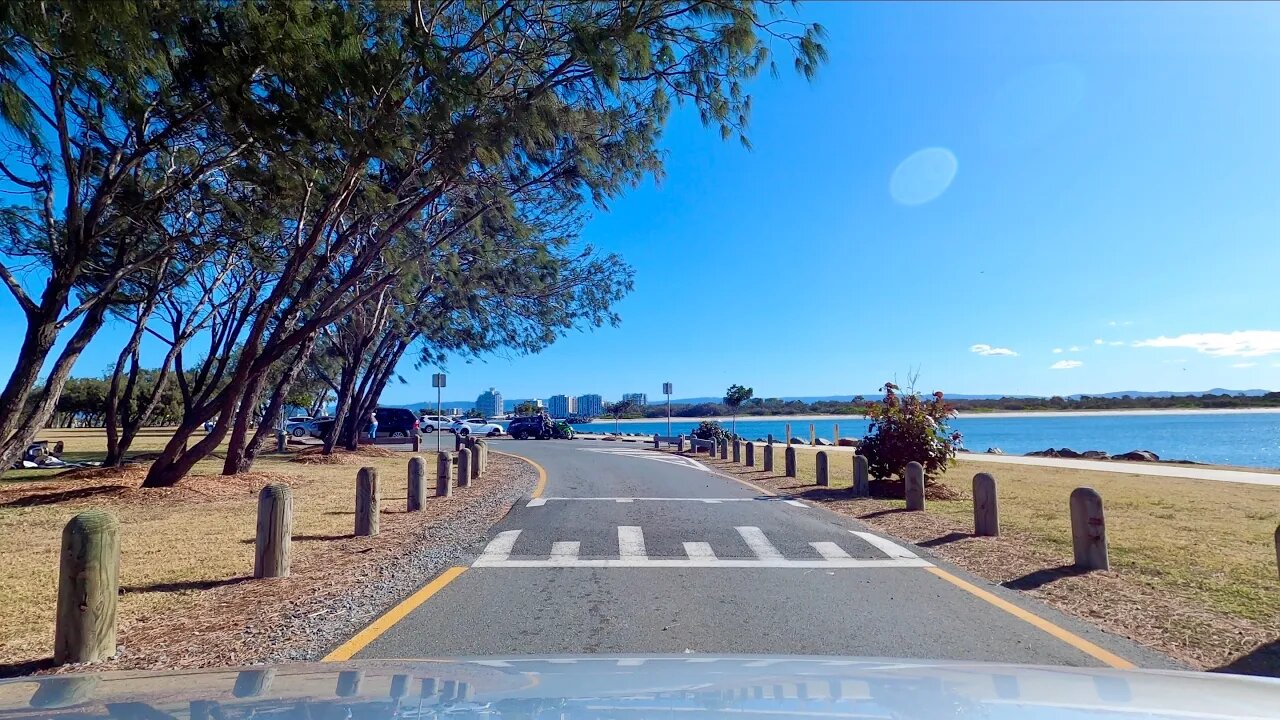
column 394, row 422
column 432, row 423
column 530, row 426
column 298, row 427
column 477, row 426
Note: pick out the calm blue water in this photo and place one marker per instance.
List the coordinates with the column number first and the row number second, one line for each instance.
column 1251, row 440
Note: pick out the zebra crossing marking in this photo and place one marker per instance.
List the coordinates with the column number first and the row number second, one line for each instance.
column 633, row 554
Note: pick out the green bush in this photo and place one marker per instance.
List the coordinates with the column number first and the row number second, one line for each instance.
column 906, row 428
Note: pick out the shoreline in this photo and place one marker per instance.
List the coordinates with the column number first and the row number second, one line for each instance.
column 972, row 415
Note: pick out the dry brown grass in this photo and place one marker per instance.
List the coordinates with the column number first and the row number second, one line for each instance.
column 1194, row 565
column 175, row 542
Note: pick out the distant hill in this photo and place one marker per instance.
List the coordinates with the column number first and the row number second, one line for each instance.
column 511, row 403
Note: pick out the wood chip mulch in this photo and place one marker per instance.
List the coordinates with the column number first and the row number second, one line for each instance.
column 1115, row 601
column 123, row 485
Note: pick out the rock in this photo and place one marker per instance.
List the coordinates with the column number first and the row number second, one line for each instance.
column 1043, row 453
column 798, row 441
column 1068, row 453
column 1094, row 455
column 1138, row 456
column 821, row 441
column 849, row 442
column 994, row 451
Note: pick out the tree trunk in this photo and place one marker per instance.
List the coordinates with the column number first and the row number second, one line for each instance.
column 36, row 418
column 240, row 432
column 37, row 342
column 242, row 461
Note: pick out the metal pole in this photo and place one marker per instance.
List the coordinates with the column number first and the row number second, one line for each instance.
column 438, row 428
column 668, row 415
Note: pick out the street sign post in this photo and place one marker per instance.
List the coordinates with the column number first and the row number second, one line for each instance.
column 437, row 382
column 666, row 390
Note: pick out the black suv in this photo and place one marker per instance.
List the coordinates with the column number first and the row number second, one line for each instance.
column 394, row 422
column 525, row 427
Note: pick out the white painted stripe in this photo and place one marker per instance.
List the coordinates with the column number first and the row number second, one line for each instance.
column 758, row 543
column 710, row 501
column 565, row 550
column 891, row 549
column 631, row 543
column 647, row 562
column 699, row 550
column 624, row 500
column 537, row 502
column 499, row 548
column 830, row 550
column 630, row 662
column 797, row 503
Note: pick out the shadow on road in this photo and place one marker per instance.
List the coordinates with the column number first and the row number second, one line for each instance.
column 1039, row 578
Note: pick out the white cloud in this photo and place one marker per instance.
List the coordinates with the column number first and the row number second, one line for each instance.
column 988, row 351
column 1097, row 341
column 1057, row 351
column 1116, row 343
column 1120, row 323
column 1243, row 365
column 1074, row 348
column 1241, row 343
column 1066, row 365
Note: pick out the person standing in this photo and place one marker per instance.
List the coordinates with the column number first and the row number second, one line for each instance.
column 373, row 425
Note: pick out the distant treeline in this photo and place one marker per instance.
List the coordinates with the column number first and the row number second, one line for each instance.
column 777, row 406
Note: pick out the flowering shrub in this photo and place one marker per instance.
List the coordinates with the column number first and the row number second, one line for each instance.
column 906, row 427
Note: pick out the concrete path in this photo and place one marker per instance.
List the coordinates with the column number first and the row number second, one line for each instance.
column 631, row 551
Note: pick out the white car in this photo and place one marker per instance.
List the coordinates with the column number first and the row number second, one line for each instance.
column 432, row 423
column 477, row 426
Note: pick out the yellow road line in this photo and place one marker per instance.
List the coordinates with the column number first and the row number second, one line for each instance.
column 1065, row 636
column 542, row 472
column 346, row 650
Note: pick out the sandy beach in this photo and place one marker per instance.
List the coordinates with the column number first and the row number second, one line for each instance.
column 970, row 415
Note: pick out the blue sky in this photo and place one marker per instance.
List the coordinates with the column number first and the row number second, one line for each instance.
column 1010, row 198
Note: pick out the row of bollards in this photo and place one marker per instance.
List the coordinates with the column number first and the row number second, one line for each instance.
column 89, row 565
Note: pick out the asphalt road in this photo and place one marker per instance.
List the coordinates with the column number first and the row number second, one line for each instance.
column 630, row 551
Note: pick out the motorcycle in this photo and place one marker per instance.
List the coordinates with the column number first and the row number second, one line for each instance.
column 559, row 430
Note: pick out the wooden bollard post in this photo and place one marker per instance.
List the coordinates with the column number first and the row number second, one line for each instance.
column 1088, row 530
column 282, row 441
column 367, row 502
column 252, row 683
column 457, row 442
column 444, row 468
column 479, row 457
column 88, row 585
column 788, row 433
column 861, row 476
column 986, row 511
column 751, row 454
column 1278, row 547
column 737, row 450
column 768, row 458
column 913, row 485
column 656, row 445
column 417, row 442
column 417, row 482
column 821, row 468
column 724, row 448
column 812, row 435
column 835, row 433
column 275, row 531
column 791, row 461
column 348, row 683
column 769, row 438
column 464, row 468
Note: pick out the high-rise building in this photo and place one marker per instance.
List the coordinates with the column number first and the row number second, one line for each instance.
column 590, row 405
column 640, row 399
column 490, row 403
column 558, row 406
